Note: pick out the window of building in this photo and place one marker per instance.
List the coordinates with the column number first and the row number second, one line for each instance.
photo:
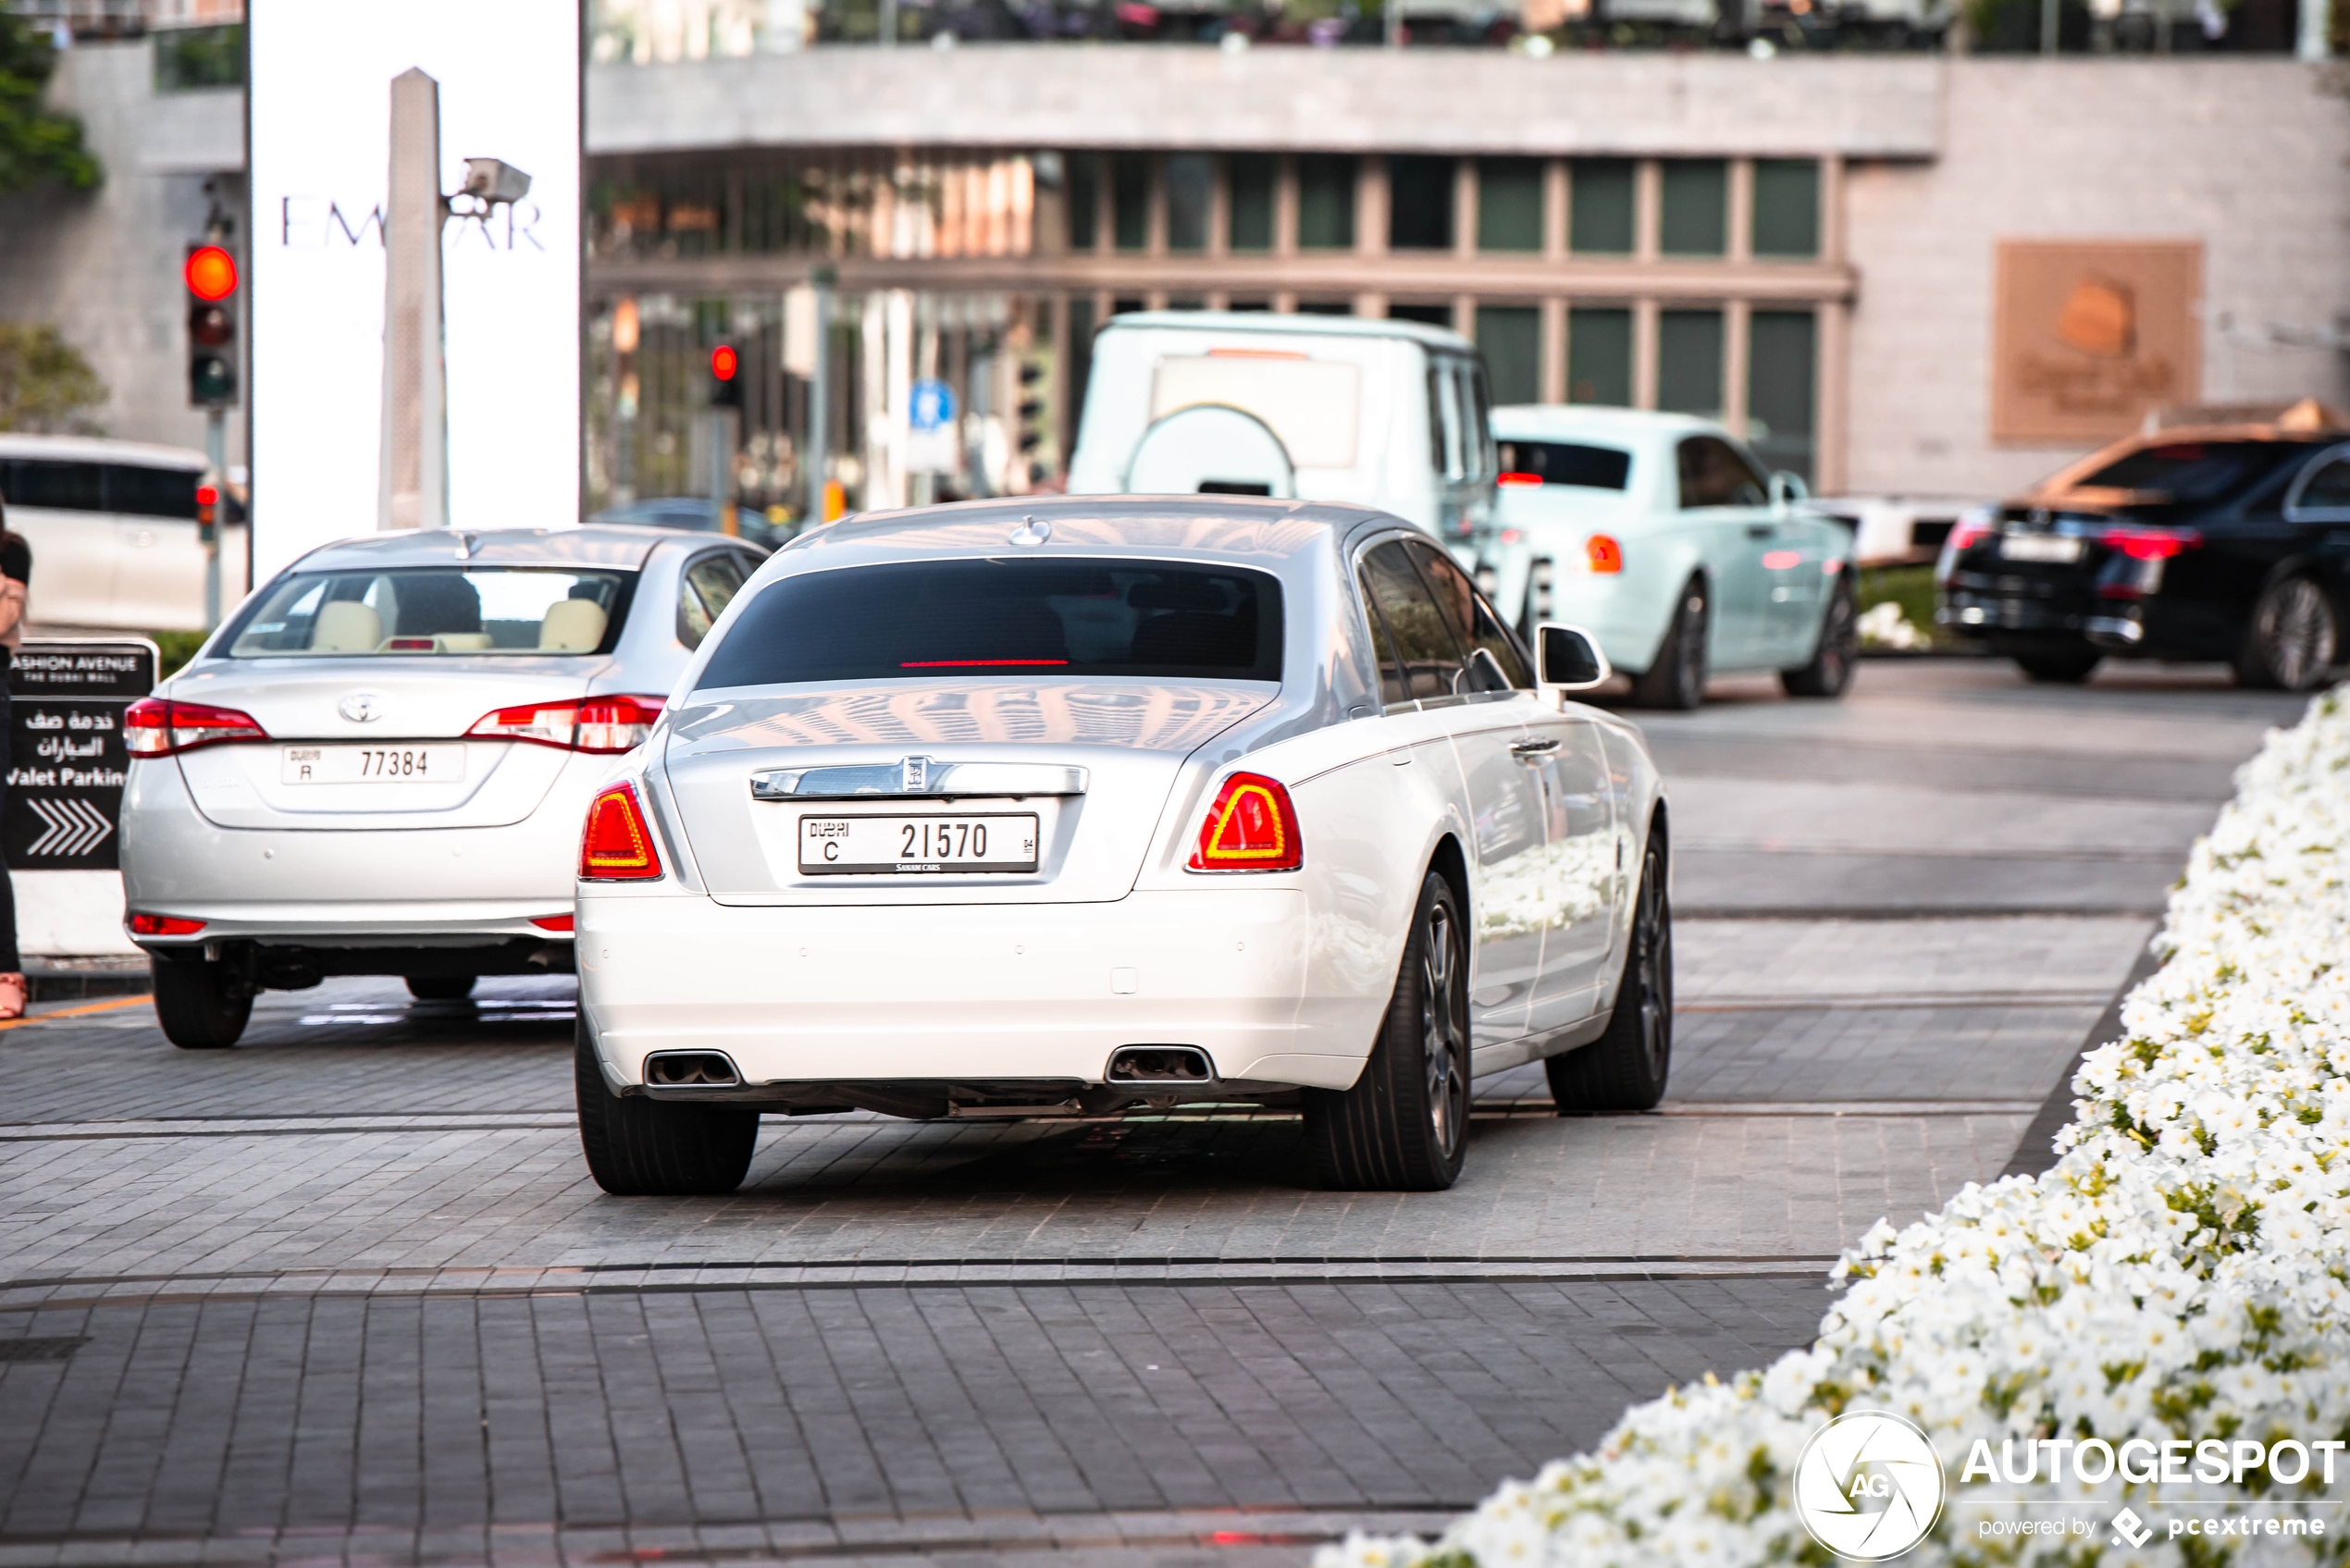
column 1600, row 206
column 1599, row 357
column 1326, row 202
column 1081, row 362
column 1126, row 307
column 1248, row 181
column 1695, row 219
column 1781, row 354
column 1420, row 204
column 1787, row 207
column 1191, row 185
column 1509, row 204
column 1085, row 200
column 1130, row 184
column 1256, row 304
column 1688, row 362
column 1511, row 339
column 1326, row 308
column 1426, row 314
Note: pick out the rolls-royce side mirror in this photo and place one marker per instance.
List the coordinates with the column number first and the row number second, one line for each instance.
column 1567, row 658
column 1787, row 490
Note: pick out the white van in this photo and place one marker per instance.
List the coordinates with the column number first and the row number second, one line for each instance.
column 1384, row 413
column 112, row 530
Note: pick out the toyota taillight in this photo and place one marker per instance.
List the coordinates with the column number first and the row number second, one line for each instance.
column 162, row 925
column 1252, row 827
column 617, row 846
column 601, row 725
column 158, row 727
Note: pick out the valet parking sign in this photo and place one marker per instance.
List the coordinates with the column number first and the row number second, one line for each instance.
column 68, row 761
column 1870, row 1486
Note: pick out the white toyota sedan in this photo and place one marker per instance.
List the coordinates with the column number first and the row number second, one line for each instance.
column 1080, row 807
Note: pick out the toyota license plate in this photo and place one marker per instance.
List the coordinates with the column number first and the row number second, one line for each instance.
column 371, row 764
column 916, row 845
column 2052, row 548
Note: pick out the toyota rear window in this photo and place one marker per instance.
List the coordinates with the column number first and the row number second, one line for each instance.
column 435, row 610
column 950, row 620
column 1567, row 463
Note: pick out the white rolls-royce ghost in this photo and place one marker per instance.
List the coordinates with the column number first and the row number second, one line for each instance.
column 1086, row 806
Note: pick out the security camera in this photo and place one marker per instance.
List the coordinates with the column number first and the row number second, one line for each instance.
column 492, row 180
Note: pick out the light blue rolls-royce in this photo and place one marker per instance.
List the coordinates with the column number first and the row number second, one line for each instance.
column 1662, row 535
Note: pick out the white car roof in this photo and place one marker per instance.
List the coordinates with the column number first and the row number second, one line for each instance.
column 1225, row 525
column 597, row 544
column 1536, row 422
column 1220, row 322
column 98, row 449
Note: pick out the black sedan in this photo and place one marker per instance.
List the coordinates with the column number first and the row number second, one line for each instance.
column 2226, row 542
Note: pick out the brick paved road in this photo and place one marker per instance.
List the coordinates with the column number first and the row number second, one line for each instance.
column 343, row 1293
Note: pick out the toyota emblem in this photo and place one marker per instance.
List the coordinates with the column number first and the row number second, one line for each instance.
column 360, row 707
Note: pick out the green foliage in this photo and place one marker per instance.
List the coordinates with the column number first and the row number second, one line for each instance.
column 46, row 385
column 176, row 648
column 36, row 145
column 1912, row 588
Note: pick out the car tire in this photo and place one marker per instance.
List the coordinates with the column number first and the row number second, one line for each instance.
column 1626, row 1069
column 1830, row 671
column 1403, row 1126
column 440, row 987
column 639, row 1147
column 1678, row 678
column 2294, row 640
column 2068, row 668
column 202, row 1004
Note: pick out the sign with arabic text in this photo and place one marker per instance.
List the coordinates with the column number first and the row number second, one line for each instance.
column 67, row 761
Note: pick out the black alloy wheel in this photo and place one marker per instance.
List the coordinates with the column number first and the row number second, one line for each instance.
column 1678, row 678
column 440, row 987
column 639, row 1147
column 1625, row 1070
column 2294, row 638
column 1830, row 671
column 2069, row 668
column 202, row 1006
column 1403, row 1126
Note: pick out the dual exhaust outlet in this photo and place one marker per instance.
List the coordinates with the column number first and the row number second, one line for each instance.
column 1130, row 1064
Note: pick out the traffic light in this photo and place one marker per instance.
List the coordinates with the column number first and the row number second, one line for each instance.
column 725, row 378
column 211, row 276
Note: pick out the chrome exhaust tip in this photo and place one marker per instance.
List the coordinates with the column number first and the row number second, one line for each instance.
column 1160, row 1064
column 690, row 1069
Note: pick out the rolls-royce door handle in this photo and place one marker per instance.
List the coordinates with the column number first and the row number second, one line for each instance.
column 1761, row 530
column 1539, row 745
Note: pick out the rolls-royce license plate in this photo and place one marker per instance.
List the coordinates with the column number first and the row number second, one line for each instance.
column 917, row 845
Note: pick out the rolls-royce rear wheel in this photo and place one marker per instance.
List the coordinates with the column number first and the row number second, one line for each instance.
column 1404, row 1127
column 639, row 1147
column 202, row 1006
column 1830, row 671
column 1625, row 1070
column 1678, row 678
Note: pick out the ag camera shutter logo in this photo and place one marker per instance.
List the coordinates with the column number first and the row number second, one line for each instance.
column 1869, row 1486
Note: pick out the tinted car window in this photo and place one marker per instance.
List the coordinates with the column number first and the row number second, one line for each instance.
column 2192, row 471
column 1713, row 474
column 1470, row 619
column 1393, row 687
column 938, row 619
column 1415, row 627
column 1481, row 409
column 2329, row 488
column 710, row 586
column 68, row 487
column 150, row 492
column 1568, row 463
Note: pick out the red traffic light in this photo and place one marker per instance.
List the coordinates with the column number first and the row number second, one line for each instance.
column 723, row 362
column 211, row 273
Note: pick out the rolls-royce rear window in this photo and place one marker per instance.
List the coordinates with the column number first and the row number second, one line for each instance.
column 974, row 619
column 435, row 610
column 1564, row 463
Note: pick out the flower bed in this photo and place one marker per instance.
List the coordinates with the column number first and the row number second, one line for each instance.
column 2180, row 1274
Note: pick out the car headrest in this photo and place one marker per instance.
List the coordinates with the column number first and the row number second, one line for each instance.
column 571, row 625
column 346, row 625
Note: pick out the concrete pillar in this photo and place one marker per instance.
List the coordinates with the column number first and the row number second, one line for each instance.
column 1644, row 323
column 1737, row 344
column 1830, row 472
column 413, row 485
column 1464, row 199
column 1553, row 384
column 1556, row 203
column 1647, row 209
column 1370, row 207
column 1741, row 214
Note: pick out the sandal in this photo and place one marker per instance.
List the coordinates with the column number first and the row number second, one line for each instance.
column 13, row 994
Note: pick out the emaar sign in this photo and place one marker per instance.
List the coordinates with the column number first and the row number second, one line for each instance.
column 332, row 456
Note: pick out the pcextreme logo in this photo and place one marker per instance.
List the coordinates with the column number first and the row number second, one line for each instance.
column 1869, row 1486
